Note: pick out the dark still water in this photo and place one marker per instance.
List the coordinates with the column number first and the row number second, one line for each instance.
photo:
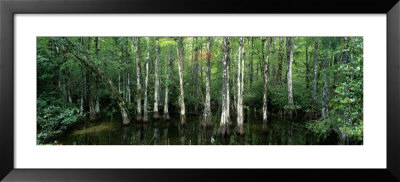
column 110, row 131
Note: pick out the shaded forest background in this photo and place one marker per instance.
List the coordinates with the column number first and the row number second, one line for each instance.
column 318, row 79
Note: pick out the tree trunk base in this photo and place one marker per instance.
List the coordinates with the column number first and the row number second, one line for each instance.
column 166, row 116
column 224, row 131
column 125, row 118
column 206, row 122
column 265, row 128
column 145, row 119
column 156, row 116
column 207, row 125
column 138, row 118
column 183, row 119
column 240, row 130
column 92, row 117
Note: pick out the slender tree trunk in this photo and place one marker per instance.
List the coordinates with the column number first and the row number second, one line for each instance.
column 289, row 76
column 346, row 60
column 266, row 80
column 345, row 55
column 179, row 52
column 97, row 107
column 207, row 105
column 228, row 98
column 223, row 129
column 325, row 89
column 91, row 91
column 138, row 85
column 127, row 82
column 146, row 81
column 167, row 72
column 251, row 62
column 196, row 72
column 280, row 61
column 92, row 112
column 81, row 102
column 82, row 85
column 157, row 83
column 315, row 72
column 67, row 73
column 287, row 56
column 307, row 69
column 240, row 77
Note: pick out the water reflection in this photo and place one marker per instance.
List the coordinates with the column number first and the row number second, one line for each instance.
column 111, row 132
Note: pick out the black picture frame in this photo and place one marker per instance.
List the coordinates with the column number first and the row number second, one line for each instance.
column 8, row 8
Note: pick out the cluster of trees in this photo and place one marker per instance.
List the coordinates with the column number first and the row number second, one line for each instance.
column 218, row 78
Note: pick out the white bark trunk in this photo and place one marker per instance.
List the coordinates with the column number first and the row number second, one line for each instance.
column 223, row 128
column 157, row 83
column 266, row 80
column 207, row 104
column 138, row 85
column 167, row 72
column 325, row 89
column 166, row 113
column 97, row 105
column 315, row 72
column 240, row 78
column 128, row 84
column 179, row 52
column 81, row 107
column 289, row 75
column 146, row 81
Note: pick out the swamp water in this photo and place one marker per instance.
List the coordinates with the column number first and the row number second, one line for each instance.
column 111, row 131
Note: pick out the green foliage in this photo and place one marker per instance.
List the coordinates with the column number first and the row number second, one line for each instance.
column 54, row 120
column 348, row 102
column 320, row 128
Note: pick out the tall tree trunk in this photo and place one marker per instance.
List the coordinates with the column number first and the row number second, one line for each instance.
column 91, row 91
column 179, row 52
column 287, row 56
column 325, row 89
column 346, row 60
column 68, row 86
column 81, row 101
column 280, row 62
column 167, row 72
column 289, row 76
column 157, row 83
column 90, row 64
column 127, row 82
column 146, row 81
column 307, row 69
column 315, row 72
column 196, row 72
column 92, row 112
column 251, row 63
column 228, row 98
column 83, row 83
column 240, row 77
column 345, row 55
column 97, row 107
column 138, row 85
column 266, row 80
column 223, row 129
column 207, row 105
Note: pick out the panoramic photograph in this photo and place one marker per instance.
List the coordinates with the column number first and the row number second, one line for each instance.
column 199, row 90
